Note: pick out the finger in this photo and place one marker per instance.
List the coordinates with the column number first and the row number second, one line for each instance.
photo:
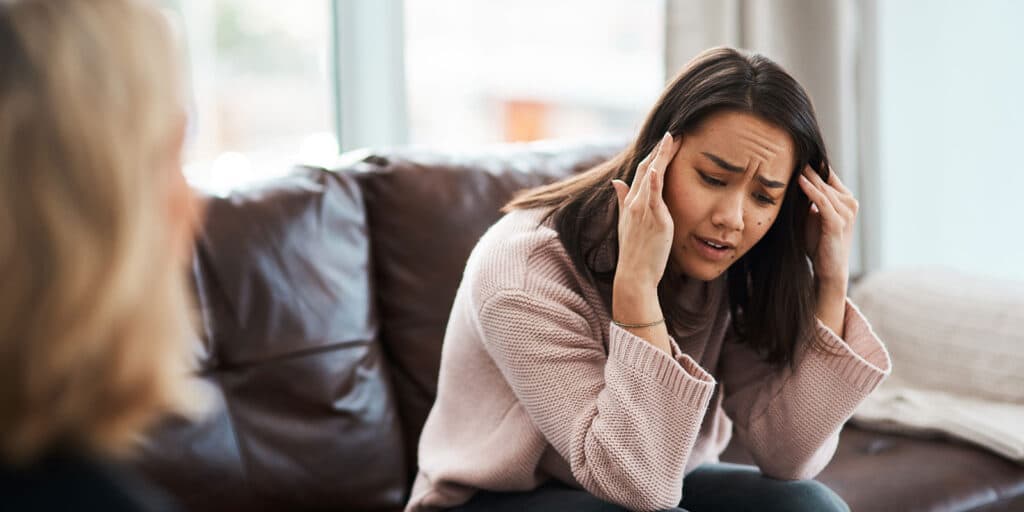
column 644, row 171
column 643, row 193
column 644, row 164
column 641, row 171
column 663, row 152
column 654, row 195
column 835, row 197
column 668, row 155
column 655, row 156
column 621, row 190
column 668, row 147
column 819, row 199
column 647, row 158
column 844, row 193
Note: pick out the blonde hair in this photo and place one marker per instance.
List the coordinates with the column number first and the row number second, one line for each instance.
column 94, row 309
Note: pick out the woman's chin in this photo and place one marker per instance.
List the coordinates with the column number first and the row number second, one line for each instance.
column 699, row 270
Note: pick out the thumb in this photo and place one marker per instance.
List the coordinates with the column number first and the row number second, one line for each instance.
column 621, row 189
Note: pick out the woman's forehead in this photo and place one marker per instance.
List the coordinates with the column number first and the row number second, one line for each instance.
column 737, row 141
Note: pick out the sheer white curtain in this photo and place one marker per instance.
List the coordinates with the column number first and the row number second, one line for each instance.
column 817, row 41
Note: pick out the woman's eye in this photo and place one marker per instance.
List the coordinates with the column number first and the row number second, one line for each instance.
column 763, row 199
column 711, row 181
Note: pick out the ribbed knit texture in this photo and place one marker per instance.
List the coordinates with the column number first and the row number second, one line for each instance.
column 537, row 383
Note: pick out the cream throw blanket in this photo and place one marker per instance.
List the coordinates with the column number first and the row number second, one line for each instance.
column 957, row 348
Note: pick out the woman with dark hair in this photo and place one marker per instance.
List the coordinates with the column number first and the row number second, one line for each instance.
column 611, row 328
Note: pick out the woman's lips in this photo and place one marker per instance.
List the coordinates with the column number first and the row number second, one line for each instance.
column 711, row 253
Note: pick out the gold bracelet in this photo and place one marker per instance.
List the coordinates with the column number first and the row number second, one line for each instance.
column 637, row 326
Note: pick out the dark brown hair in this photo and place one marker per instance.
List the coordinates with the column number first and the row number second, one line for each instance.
column 771, row 288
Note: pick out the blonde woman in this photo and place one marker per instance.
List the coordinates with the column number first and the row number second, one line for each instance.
column 96, row 222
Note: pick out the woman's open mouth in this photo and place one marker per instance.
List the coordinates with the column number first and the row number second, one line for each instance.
column 712, row 249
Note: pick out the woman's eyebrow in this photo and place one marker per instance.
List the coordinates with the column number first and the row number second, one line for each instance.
column 722, row 163
column 737, row 169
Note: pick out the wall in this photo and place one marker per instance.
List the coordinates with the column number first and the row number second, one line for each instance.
column 950, row 177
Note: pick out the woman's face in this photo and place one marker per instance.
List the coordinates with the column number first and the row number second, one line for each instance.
column 724, row 189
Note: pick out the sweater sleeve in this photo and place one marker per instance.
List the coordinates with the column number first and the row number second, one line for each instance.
column 789, row 419
column 624, row 420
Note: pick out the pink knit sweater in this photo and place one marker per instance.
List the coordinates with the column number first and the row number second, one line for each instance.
column 536, row 383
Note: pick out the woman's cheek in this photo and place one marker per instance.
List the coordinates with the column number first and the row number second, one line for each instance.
column 762, row 223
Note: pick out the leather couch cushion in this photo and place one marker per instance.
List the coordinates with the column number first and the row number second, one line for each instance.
column 889, row 472
column 426, row 211
column 304, row 415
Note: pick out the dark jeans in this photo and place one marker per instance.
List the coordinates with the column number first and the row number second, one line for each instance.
column 711, row 487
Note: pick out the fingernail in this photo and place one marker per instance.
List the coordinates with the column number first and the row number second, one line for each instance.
column 667, row 137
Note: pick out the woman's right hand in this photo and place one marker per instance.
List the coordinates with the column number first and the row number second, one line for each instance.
column 645, row 225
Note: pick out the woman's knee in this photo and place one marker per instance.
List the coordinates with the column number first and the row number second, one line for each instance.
column 805, row 495
column 725, row 486
column 548, row 498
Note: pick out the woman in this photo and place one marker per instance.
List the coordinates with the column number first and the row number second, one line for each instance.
column 611, row 328
column 96, row 222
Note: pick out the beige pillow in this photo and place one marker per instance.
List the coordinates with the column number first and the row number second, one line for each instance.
column 947, row 331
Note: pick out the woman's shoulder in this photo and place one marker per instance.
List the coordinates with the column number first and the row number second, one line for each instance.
column 517, row 237
column 527, row 222
column 71, row 481
column 519, row 249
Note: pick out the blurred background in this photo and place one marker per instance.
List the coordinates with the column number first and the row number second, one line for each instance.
column 919, row 99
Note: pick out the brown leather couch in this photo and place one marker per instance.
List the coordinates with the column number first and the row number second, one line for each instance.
column 323, row 299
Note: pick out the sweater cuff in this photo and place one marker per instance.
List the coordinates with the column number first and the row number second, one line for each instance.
column 680, row 374
column 861, row 359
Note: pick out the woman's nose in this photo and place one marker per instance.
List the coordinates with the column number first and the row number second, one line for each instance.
column 728, row 213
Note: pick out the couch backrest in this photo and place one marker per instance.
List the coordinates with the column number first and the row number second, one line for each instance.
column 303, row 415
column 323, row 301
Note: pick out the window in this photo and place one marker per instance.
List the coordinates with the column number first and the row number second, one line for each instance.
column 438, row 72
column 481, row 72
column 261, row 84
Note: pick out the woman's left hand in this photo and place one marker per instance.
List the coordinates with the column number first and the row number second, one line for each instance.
column 829, row 227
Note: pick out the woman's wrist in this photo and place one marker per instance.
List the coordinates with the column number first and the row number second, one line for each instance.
column 831, row 307
column 635, row 282
column 637, row 309
column 634, row 302
column 832, row 288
